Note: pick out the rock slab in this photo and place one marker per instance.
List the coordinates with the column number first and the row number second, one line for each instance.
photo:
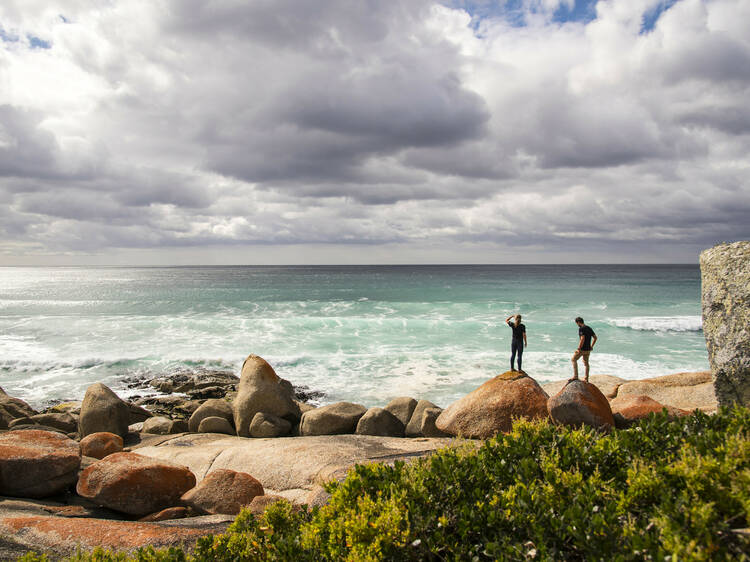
column 725, row 279
column 134, row 484
column 491, row 408
column 35, row 464
column 223, row 491
column 581, row 403
column 628, row 409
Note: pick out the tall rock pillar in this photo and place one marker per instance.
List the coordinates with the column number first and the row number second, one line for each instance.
column 725, row 276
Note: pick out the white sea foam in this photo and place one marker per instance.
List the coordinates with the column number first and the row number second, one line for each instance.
column 659, row 323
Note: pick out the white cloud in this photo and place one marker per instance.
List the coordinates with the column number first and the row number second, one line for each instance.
column 156, row 125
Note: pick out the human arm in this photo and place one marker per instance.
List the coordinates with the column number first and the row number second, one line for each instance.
column 580, row 342
column 525, row 343
column 593, row 341
column 507, row 320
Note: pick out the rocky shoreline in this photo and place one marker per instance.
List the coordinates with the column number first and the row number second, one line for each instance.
column 76, row 473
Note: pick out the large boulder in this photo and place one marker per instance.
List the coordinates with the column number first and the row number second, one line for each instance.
column 162, row 425
column 333, row 419
column 402, row 407
column 687, row 391
column 268, row 425
column 35, row 464
column 215, row 424
column 608, row 384
column 261, row 390
column 414, row 427
column 215, row 407
column 379, row 421
column 491, row 408
column 134, row 484
column 223, row 491
column 630, row 408
column 428, row 425
column 62, row 421
column 725, row 276
column 13, row 408
column 103, row 410
column 101, row 444
column 581, row 403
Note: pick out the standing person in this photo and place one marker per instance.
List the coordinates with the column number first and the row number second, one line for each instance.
column 519, row 339
column 586, row 341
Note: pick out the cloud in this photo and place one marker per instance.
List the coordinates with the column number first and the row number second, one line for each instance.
column 527, row 129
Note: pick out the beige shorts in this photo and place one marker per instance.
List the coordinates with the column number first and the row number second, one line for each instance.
column 584, row 354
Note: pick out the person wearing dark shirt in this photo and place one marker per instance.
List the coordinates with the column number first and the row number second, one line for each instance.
column 586, row 341
column 518, row 341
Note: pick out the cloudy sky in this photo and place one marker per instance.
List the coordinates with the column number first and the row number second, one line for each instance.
column 347, row 131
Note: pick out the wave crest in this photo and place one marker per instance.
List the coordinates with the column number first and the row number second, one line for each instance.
column 660, row 323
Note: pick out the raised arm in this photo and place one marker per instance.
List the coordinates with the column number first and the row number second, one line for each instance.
column 507, row 320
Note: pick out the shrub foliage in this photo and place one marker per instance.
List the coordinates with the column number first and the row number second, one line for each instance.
column 662, row 490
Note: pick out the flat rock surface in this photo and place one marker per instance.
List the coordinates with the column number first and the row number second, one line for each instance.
column 687, row 391
column 287, row 464
column 61, row 536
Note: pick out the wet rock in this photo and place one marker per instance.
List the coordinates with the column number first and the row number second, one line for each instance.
column 215, row 424
column 134, row 484
column 379, row 421
column 192, row 382
column 402, row 407
column 333, row 419
column 268, row 425
column 725, row 280
column 101, row 444
column 261, row 390
column 414, row 427
column 581, row 403
column 35, row 464
column 223, row 491
column 103, row 410
column 170, row 406
column 211, row 408
column 491, row 408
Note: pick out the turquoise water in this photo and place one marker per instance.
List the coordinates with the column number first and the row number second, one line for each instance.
column 359, row 333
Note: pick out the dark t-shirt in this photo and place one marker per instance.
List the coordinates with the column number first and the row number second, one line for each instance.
column 518, row 331
column 587, row 334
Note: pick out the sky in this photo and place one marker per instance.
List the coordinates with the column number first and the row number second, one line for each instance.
column 183, row 132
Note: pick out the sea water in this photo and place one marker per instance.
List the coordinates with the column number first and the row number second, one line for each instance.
column 364, row 334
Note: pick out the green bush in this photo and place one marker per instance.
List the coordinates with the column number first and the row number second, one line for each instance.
column 662, row 490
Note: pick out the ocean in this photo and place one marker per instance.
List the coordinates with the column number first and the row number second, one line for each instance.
column 364, row 334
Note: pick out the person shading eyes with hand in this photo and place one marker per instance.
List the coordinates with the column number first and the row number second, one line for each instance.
column 518, row 341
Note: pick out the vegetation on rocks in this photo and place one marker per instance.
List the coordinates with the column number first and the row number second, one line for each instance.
column 662, row 490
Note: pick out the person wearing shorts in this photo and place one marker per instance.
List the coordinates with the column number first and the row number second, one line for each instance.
column 586, row 340
column 518, row 341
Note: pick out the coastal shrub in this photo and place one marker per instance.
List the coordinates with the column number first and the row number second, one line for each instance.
column 661, row 490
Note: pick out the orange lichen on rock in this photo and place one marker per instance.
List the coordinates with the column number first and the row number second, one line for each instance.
column 57, row 532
